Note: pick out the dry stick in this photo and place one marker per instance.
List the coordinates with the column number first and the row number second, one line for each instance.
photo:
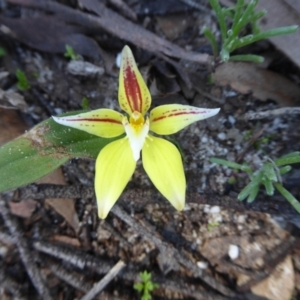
column 10, row 285
column 82, row 260
column 73, row 256
column 74, row 279
column 271, row 113
column 170, row 250
column 141, row 196
column 98, row 287
column 116, row 25
column 25, row 252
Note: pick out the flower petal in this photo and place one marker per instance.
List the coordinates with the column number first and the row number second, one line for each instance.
column 162, row 162
column 106, row 123
column 169, row 119
column 133, row 92
column 114, row 168
column 136, row 138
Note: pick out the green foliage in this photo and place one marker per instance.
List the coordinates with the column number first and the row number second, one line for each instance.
column 70, row 53
column 146, row 286
column 85, row 104
column 269, row 175
column 260, row 142
column 41, row 150
column 239, row 17
column 2, row 52
column 212, row 225
column 23, row 84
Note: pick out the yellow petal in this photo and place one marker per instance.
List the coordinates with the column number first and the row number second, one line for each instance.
column 133, row 92
column 114, row 168
column 162, row 162
column 106, row 123
column 170, row 118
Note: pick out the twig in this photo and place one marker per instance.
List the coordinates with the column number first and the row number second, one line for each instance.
column 271, row 113
column 73, row 256
column 170, row 250
column 74, row 279
column 7, row 283
column 254, row 138
column 196, row 5
column 104, row 281
column 138, row 198
column 25, row 252
column 116, row 25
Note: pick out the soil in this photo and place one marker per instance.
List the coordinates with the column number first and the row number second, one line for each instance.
column 218, row 247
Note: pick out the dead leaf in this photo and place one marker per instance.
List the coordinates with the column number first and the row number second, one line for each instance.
column 263, row 84
column 174, row 25
column 280, row 284
column 65, row 207
column 66, row 240
column 24, row 208
column 280, row 14
column 50, row 34
column 11, row 99
column 11, row 125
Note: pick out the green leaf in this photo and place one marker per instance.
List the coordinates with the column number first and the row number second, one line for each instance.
column 253, row 185
column 285, row 170
column 2, row 52
column 288, row 196
column 42, row 149
column 21, row 163
column 292, row 154
column 238, row 12
column 231, row 164
column 220, row 17
column 211, row 38
column 247, row 57
column 70, row 53
column 266, row 35
column 287, row 160
column 269, row 172
column 269, row 186
column 23, row 83
column 253, row 194
column 138, row 286
column 145, row 276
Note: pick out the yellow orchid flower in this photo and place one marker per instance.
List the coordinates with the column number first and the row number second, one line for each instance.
column 116, row 162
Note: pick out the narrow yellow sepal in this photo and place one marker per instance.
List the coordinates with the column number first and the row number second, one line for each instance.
column 133, row 92
column 105, row 123
column 162, row 162
column 114, row 167
column 170, row 118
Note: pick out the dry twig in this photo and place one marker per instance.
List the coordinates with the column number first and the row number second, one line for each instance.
column 98, row 287
column 271, row 113
column 24, row 251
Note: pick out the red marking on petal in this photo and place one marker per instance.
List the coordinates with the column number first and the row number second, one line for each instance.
column 132, row 88
column 178, row 114
column 95, row 120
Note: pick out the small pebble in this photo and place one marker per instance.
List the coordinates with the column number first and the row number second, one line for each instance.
column 118, row 59
column 221, row 136
column 215, row 210
column 202, row 265
column 233, row 252
column 231, row 119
